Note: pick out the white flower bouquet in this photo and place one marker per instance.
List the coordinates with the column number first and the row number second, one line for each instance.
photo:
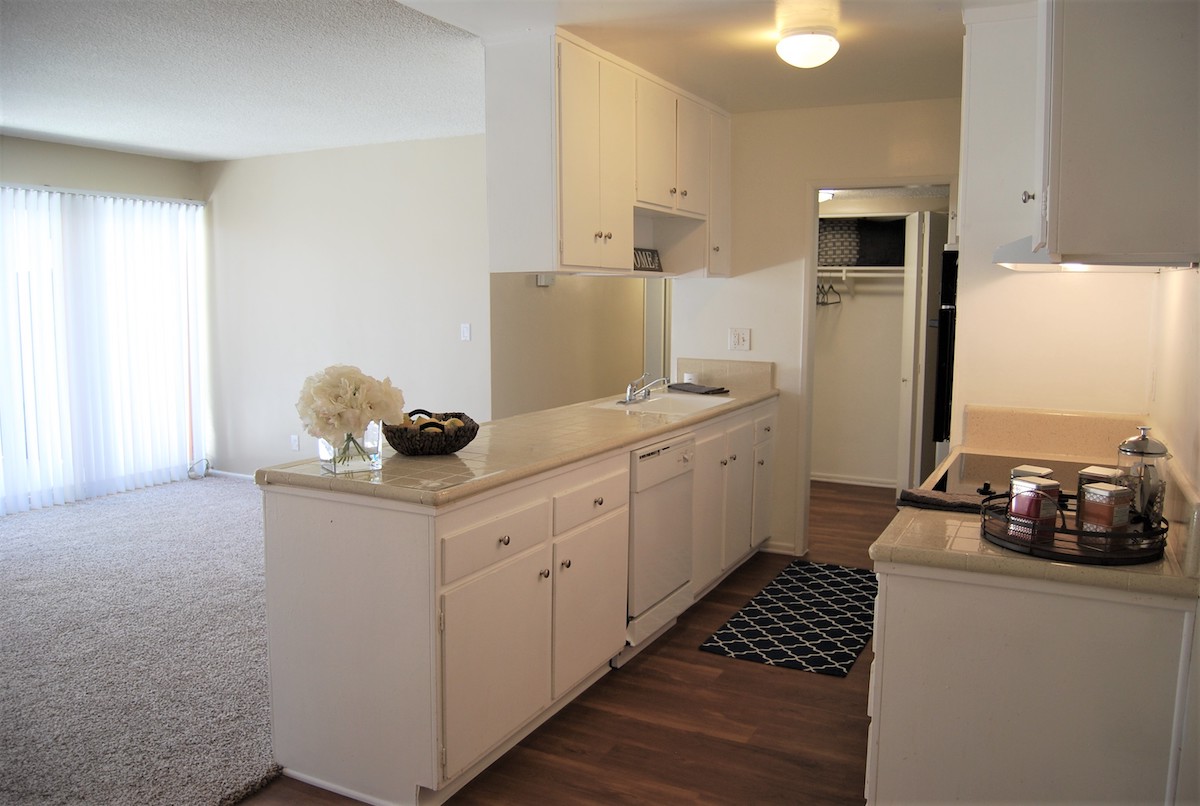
column 339, row 405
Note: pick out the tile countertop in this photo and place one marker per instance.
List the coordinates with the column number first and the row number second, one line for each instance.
column 507, row 450
column 952, row 540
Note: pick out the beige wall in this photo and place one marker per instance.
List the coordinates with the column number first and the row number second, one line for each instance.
column 33, row 162
column 577, row 339
column 779, row 160
column 370, row 256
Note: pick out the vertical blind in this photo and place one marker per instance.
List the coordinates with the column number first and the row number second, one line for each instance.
column 100, row 371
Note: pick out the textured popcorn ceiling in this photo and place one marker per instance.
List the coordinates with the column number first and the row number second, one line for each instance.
column 221, row 79
column 225, row 79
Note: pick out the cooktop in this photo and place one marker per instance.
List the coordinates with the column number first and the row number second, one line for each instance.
column 969, row 472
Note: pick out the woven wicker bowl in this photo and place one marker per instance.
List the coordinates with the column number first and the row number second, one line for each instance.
column 431, row 441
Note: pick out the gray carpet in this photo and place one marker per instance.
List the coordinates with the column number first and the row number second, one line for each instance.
column 133, row 651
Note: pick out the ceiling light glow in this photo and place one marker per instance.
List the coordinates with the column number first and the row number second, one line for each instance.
column 808, row 47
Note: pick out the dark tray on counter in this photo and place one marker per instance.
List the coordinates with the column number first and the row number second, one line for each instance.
column 1142, row 542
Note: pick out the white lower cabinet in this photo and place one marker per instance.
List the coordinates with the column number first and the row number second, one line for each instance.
column 987, row 688
column 495, row 656
column 764, row 460
column 739, row 490
column 409, row 645
column 589, row 622
column 731, row 504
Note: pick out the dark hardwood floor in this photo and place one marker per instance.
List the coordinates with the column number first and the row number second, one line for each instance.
column 677, row 725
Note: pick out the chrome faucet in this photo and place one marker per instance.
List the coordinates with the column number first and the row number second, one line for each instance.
column 634, row 392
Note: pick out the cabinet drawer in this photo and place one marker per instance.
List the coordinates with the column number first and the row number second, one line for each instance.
column 589, row 501
column 498, row 539
column 764, row 427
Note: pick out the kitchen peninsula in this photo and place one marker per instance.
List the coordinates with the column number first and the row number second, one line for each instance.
column 425, row 618
column 1003, row 677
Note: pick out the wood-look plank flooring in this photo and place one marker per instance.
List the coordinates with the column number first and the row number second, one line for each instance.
column 677, row 725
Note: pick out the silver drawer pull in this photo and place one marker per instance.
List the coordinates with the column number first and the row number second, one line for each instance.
column 599, row 501
column 762, row 462
column 733, row 458
column 724, row 462
column 544, row 573
column 767, row 428
column 566, row 563
column 504, row 541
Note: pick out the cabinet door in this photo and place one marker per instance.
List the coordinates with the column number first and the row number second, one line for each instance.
column 616, row 179
column 1124, row 170
column 495, row 656
column 764, row 455
column 692, row 156
column 739, row 491
column 579, row 156
column 655, row 144
column 590, row 574
column 720, row 220
column 708, row 508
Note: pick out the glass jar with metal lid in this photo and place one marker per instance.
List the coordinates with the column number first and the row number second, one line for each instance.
column 1143, row 461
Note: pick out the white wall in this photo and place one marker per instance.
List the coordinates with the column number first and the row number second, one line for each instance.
column 779, row 160
column 577, row 339
column 856, row 396
column 369, row 256
column 65, row 167
column 1066, row 341
column 1175, row 389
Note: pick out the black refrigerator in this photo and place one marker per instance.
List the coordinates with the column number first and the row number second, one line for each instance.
column 944, row 380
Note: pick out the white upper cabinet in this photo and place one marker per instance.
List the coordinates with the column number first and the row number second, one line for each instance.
column 565, row 152
column 672, row 150
column 595, row 102
column 1116, row 164
column 720, row 219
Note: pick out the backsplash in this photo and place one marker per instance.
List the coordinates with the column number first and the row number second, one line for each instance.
column 748, row 375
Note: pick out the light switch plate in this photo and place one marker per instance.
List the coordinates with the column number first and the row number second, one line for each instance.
column 464, row 332
column 739, row 338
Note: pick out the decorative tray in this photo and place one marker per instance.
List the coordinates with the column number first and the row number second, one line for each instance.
column 1140, row 542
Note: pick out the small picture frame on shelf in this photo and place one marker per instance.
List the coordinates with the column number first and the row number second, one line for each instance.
column 646, row 260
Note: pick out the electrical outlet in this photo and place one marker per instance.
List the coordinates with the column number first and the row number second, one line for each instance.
column 739, row 338
column 295, row 440
column 464, row 332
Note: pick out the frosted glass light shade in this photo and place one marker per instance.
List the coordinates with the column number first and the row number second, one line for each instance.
column 807, row 47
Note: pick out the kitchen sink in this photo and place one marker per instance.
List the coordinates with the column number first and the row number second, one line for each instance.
column 679, row 403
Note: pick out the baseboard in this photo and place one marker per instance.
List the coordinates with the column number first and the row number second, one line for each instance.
column 861, row 481
column 229, row 475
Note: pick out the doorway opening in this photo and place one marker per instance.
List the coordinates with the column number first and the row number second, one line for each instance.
column 873, row 340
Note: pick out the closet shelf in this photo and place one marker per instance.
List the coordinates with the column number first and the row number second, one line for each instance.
column 860, row 272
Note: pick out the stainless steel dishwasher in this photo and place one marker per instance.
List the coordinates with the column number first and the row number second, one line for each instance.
column 660, row 536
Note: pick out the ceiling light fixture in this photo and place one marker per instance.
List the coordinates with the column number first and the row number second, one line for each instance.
column 808, row 47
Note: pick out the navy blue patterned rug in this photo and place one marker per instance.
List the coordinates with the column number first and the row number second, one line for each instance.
column 813, row 616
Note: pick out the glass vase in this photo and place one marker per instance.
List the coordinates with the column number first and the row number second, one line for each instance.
column 356, row 453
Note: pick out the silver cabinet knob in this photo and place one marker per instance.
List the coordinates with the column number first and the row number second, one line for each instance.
column 767, row 428
column 608, row 236
column 566, row 563
column 724, row 462
column 683, row 193
column 505, row 540
column 544, row 573
column 1027, row 197
column 716, row 249
column 599, row 234
column 762, row 462
column 674, row 191
column 733, row 458
column 599, row 501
